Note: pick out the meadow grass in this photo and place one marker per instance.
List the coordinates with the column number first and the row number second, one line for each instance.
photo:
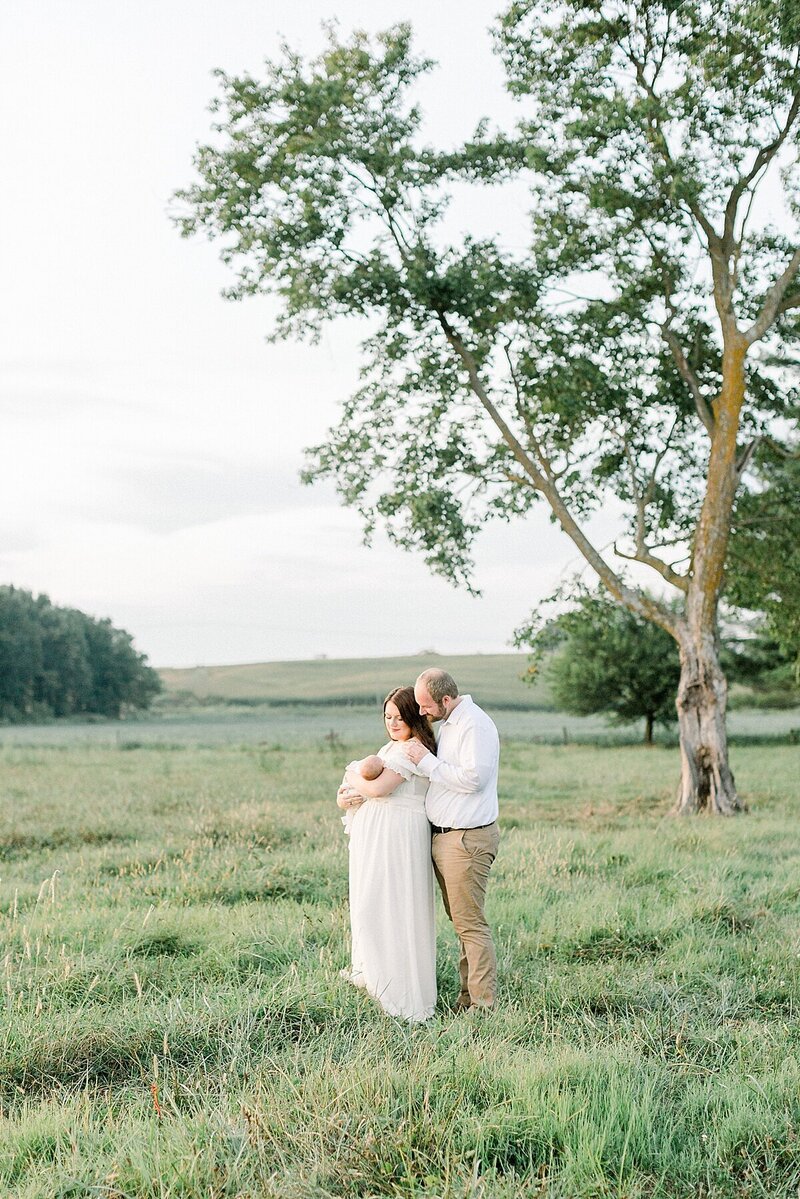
column 173, row 925
column 298, row 725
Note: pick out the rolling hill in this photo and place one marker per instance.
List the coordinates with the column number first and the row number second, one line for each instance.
column 493, row 679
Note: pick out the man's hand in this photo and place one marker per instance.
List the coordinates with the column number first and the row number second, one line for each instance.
column 415, row 750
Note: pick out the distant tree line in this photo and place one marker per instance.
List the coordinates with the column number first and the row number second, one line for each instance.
column 60, row 662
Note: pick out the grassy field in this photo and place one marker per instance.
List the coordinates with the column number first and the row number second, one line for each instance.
column 174, row 921
column 307, row 724
column 497, row 678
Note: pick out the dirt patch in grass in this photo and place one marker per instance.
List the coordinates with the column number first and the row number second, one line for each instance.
column 603, row 943
column 726, row 916
column 14, row 846
column 116, row 1055
column 167, row 943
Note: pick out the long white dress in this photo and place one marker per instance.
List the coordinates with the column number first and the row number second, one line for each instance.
column 392, row 917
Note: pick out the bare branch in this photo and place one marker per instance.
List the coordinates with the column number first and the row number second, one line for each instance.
column 659, row 140
column 643, row 552
column 518, row 480
column 636, row 601
column 762, row 159
column 689, row 378
column 679, row 581
column 739, row 239
column 772, row 304
column 744, row 458
column 387, row 212
column 524, row 417
column 781, row 450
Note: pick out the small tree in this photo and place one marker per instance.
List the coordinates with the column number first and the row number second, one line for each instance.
column 599, row 657
column 614, row 360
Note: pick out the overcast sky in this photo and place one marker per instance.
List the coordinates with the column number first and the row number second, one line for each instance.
column 151, row 438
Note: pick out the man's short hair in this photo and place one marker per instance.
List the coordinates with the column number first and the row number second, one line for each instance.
column 439, row 684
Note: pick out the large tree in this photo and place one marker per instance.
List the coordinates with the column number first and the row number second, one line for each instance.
column 614, row 360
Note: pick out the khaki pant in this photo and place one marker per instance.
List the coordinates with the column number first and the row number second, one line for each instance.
column 462, row 859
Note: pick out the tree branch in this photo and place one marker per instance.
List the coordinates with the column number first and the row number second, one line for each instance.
column 781, row 450
column 644, row 553
column 642, row 605
column 659, row 141
column 689, row 377
column 762, row 159
column 743, row 461
column 524, row 417
column 679, row 581
column 772, row 304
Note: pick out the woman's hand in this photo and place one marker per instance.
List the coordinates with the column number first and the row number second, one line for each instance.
column 347, row 798
column 353, row 780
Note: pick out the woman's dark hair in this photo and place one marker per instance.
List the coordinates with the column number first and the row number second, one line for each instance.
column 407, row 706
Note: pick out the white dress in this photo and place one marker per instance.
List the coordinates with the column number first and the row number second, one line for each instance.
column 392, row 917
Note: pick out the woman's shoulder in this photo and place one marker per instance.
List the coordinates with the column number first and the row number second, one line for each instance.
column 392, row 752
column 395, row 758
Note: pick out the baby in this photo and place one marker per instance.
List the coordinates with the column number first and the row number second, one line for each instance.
column 369, row 768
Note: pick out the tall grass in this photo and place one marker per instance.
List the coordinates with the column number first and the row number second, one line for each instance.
column 174, row 921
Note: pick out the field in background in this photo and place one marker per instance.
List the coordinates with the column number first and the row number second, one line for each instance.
column 281, row 725
column 329, row 701
column 287, row 725
column 332, row 701
column 174, row 1026
column 493, row 679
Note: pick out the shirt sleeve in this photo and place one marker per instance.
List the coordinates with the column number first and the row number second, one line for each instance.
column 476, row 767
column 396, row 760
column 425, row 765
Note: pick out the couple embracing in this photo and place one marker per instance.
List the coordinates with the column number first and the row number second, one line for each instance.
column 418, row 808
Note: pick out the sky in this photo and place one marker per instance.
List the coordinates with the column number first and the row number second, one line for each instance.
column 151, row 437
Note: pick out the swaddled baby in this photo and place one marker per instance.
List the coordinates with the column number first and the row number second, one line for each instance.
column 369, row 768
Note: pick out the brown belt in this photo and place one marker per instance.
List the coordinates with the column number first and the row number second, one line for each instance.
column 436, row 829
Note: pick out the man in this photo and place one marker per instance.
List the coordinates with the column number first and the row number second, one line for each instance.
column 462, row 808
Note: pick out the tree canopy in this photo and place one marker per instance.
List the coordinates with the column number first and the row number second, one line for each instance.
column 615, row 360
column 60, row 662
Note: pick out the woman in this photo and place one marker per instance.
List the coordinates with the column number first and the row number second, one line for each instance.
column 391, row 876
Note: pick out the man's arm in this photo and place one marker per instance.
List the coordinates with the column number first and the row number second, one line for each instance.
column 478, row 761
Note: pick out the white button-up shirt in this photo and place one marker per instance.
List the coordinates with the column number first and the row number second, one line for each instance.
column 463, row 772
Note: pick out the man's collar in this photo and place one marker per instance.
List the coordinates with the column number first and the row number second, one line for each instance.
column 459, row 710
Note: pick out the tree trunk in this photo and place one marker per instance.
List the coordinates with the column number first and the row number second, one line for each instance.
column 706, row 780
column 648, row 729
column 707, row 784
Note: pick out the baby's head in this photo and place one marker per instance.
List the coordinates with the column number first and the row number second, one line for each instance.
column 371, row 767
